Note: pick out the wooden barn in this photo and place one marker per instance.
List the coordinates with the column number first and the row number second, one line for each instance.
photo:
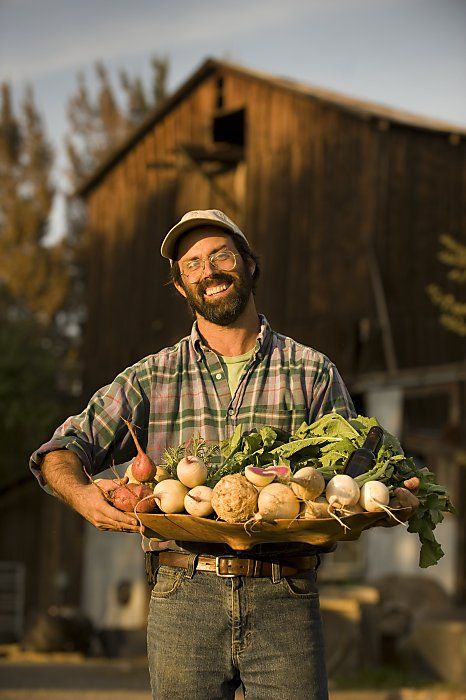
column 344, row 201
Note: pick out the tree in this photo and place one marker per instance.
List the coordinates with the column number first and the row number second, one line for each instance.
column 453, row 311
column 98, row 125
column 34, row 283
column 33, row 278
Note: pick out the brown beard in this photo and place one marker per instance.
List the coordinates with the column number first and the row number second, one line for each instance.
column 225, row 311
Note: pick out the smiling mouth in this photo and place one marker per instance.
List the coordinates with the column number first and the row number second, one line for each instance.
column 218, row 289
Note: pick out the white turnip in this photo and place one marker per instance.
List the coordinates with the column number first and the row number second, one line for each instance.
column 277, row 501
column 307, row 483
column 314, row 510
column 169, row 495
column 191, row 471
column 341, row 491
column 375, row 497
column 198, row 501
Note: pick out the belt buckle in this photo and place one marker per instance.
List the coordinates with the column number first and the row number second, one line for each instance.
column 217, row 563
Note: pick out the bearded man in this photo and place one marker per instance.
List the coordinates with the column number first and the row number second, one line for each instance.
column 217, row 617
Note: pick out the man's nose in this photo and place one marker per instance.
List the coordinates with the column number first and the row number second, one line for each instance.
column 208, row 268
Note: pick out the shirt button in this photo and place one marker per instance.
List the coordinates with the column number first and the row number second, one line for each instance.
column 218, row 375
column 230, row 411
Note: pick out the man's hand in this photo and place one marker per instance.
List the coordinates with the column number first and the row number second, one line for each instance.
column 90, row 502
column 64, row 473
column 403, row 497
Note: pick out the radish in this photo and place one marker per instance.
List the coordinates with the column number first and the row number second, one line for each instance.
column 191, row 471
column 277, row 501
column 143, row 468
column 341, row 491
column 281, row 471
column 307, row 483
column 234, row 498
column 259, row 476
column 375, row 496
column 169, row 495
column 198, row 501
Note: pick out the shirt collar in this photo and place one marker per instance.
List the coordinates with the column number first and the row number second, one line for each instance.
column 262, row 342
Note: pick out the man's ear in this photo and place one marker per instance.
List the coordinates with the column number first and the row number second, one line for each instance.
column 180, row 289
column 251, row 265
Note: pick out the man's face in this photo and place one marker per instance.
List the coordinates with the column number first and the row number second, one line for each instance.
column 218, row 296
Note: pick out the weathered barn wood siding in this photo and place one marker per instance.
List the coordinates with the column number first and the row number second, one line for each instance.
column 319, row 186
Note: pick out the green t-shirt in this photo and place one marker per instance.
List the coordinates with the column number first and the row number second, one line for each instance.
column 233, row 367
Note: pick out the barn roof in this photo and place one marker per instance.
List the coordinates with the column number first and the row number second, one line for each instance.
column 364, row 109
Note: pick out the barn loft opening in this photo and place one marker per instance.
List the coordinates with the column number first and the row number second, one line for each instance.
column 229, row 127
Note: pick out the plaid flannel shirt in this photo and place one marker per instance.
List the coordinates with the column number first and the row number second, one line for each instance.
column 182, row 391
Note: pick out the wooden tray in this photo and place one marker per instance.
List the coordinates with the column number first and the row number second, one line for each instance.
column 190, row 528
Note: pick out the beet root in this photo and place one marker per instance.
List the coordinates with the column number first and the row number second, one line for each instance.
column 128, row 497
column 143, row 468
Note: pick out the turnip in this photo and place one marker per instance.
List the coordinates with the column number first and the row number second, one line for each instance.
column 307, row 483
column 277, row 501
column 352, row 509
column 198, row 501
column 234, row 498
column 259, row 476
column 169, row 495
column 341, row 491
column 191, row 471
column 315, row 510
column 375, row 497
column 143, row 468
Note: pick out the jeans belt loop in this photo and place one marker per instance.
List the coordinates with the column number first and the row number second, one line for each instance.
column 276, row 573
column 191, row 568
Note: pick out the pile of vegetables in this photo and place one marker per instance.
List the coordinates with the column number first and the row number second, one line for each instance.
column 267, row 474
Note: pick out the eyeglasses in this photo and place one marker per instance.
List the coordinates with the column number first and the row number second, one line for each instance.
column 224, row 260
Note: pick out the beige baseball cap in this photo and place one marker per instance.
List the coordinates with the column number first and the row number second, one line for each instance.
column 194, row 219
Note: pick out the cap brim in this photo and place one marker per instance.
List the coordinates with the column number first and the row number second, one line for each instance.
column 168, row 246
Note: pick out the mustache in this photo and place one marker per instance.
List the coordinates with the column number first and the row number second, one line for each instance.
column 217, row 278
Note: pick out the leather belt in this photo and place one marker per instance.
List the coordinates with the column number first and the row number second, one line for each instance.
column 229, row 566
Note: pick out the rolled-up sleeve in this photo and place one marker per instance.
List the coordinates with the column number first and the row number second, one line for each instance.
column 98, row 435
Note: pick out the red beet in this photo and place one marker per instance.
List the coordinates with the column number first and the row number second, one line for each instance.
column 142, row 466
column 128, row 497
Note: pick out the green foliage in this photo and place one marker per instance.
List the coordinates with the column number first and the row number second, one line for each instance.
column 35, row 282
column 27, row 395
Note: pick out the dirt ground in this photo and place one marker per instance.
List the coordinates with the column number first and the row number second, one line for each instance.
column 70, row 677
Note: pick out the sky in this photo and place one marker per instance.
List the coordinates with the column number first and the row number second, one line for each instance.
column 408, row 54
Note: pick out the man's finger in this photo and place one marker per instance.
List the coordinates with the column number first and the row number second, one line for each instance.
column 412, row 484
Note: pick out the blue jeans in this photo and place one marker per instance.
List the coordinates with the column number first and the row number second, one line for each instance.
column 206, row 634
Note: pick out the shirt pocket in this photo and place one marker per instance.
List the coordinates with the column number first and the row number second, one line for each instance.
column 288, row 420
